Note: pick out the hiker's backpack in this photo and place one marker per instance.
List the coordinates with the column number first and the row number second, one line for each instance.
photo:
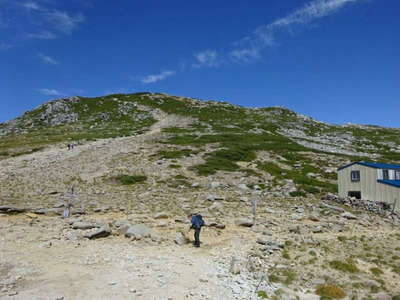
column 197, row 221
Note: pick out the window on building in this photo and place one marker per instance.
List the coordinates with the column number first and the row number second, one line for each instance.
column 355, row 175
column 397, row 175
column 385, row 174
column 355, row 194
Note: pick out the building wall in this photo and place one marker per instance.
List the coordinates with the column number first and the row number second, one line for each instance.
column 368, row 186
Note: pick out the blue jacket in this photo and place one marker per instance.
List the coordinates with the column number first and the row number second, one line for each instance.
column 197, row 221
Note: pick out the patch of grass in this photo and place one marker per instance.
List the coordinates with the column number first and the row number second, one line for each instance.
column 348, row 266
column 4, row 153
column 288, row 243
column 27, row 152
column 285, row 254
column 327, row 292
column 396, row 269
column 297, row 194
column 131, row 179
column 312, row 253
column 174, row 154
column 290, row 276
column 262, row 294
column 342, row 238
column 274, row 278
column 174, row 166
column 376, row 271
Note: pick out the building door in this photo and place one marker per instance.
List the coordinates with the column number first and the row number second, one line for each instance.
column 355, row 194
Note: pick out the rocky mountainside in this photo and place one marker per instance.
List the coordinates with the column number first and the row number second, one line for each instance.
column 142, row 162
column 285, row 148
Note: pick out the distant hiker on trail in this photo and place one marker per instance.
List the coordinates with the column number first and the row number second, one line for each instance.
column 67, row 210
column 196, row 223
column 69, row 146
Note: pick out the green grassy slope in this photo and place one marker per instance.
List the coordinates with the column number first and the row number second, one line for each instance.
column 236, row 135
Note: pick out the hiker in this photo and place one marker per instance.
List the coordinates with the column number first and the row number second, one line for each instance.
column 69, row 146
column 196, row 224
column 67, row 210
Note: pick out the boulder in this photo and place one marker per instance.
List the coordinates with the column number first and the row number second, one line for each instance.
column 244, row 222
column 332, row 207
column 234, row 266
column 84, row 225
column 121, row 223
column 214, row 197
column 216, row 206
column 243, row 186
column 103, row 231
column 181, row 239
column 262, row 241
column 382, row 296
column 138, row 231
column 215, row 184
column 348, row 215
column 12, row 210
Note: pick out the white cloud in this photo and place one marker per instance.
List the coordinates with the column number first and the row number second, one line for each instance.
column 30, row 5
column 49, row 92
column 44, row 20
column 245, row 55
column 47, row 59
column 157, row 77
column 42, row 35
column 250, row 48
column 207, row 58
column 62, row 21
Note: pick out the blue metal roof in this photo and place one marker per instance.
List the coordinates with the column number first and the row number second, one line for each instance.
column 372, row 165
column 395, row 183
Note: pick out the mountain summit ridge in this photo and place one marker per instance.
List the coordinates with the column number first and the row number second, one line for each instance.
column 223, row 137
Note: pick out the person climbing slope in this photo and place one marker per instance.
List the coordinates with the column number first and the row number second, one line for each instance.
column 196, row 223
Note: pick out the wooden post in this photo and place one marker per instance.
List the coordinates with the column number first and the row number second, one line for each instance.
column 394, row 205
column 254, row 208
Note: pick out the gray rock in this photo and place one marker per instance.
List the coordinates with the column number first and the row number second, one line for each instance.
column 262, row 241
column 317, row 229
column 103, row 231
column 210, row 197
column 216, row 206
column 349, row 216
column 297, row 217
column 84, row 225
column 138, row 231
column 334, row 208
column 121, row 223
column 234, row 266
column 162, row 224
column 181, row 239
column 215, row 184
column 12, row 210
column 314, row 218
column 382, row 296
column 49, row 211
column 244, row 222
column 243, row 186
column 270, row 211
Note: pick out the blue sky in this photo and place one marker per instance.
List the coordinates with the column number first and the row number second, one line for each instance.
column 335, row 60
